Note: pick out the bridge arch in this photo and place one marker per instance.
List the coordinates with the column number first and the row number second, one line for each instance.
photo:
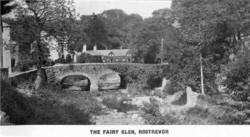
column 111, row 80
column 76, row 82
column 92, row 80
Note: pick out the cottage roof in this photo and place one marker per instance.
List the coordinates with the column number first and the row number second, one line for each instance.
column 116, row 52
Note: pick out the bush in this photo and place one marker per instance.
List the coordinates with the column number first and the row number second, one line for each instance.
column 33, row 110
column 60, row 61
column 238, row 76
column 68, row 58
column 152, row 113
column 240, row 95
column 81, row 100
column 87, row 58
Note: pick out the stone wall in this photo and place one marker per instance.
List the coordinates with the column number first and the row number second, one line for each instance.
column 131, row 72
column 23, row 79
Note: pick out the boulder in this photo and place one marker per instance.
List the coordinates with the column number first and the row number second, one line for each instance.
column 139, row 101
column 192, row 97
column 124, row 91
column 179, row 98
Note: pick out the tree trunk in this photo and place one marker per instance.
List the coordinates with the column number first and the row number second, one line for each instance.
column 41, row 78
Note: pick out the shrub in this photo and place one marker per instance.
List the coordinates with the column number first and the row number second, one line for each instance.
column 238, row 76
column 68, row 58
column 33, row 110
column 152, row 113
column 82, row 100
column 154, row 81
column 60, row 61
column 87, row 58
column 240, row 95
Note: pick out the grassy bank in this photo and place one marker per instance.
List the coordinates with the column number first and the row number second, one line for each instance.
column 21, row 109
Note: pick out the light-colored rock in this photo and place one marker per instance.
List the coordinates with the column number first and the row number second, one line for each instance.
column 124, row 91
column 179, row 98
column 192, row 97
column 2, row 114
column 159, row 100
column 165, row 82
column 135, row 116
column 139, row 101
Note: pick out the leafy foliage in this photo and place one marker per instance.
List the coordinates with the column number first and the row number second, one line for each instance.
column 96, row 32
column 39, row 15
column 121, row 27
column 6, row 7
column 34, row 110
column 87, row 58
column 238, row 76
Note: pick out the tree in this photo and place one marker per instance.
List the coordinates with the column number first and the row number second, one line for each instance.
column 219, row 21
column 148, row 42
column 214, row 29
column 121, row 27
column 6, row 7
column 44, row 12
column 96, row 32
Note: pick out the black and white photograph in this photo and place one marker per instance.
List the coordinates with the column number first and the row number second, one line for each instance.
column 125, row 62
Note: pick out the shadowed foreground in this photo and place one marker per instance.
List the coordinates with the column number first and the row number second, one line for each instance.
column 33, row 110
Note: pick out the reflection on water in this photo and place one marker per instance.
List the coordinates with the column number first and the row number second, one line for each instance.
column 76, row 82
column 109, row 82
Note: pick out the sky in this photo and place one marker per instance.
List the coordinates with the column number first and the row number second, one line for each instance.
column 141, row 7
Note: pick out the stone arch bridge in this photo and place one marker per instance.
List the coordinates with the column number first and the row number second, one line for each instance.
column 93, row 71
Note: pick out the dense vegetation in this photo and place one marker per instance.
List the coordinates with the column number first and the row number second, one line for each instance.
column 203, row 41
column 87, row 58
column 21, row 109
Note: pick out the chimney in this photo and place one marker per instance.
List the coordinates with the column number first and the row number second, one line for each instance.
column 84, row 48
column 95, row 47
